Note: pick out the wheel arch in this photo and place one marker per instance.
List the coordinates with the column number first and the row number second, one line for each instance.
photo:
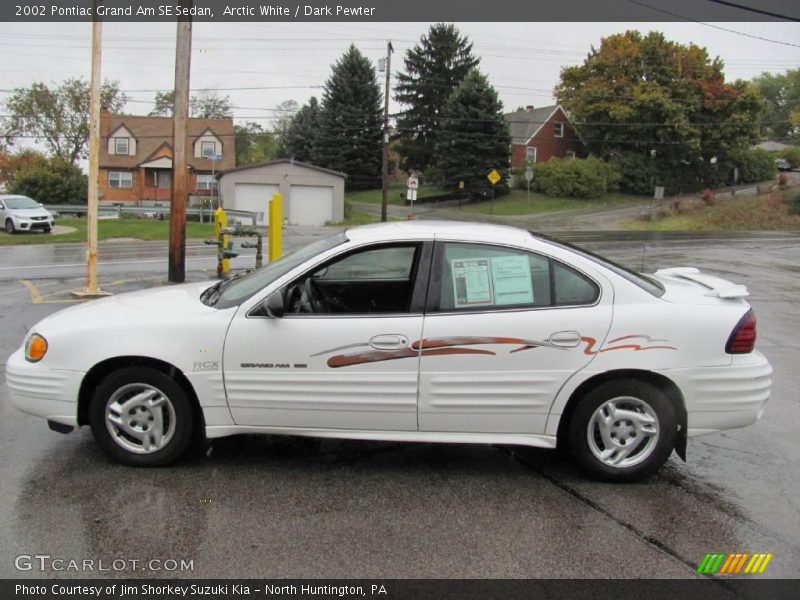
column 99, row 371
column 663, row 383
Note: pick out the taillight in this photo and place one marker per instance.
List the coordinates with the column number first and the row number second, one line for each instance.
column 743, row 337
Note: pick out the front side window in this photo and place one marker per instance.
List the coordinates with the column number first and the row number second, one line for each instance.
column 164, row 179
column 120, row 179
column 208, row 149
column 375, row 280
column 530, row 154
column 121, row 145
column 483, row 277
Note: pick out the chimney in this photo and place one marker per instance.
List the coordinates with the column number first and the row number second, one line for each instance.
column 529, row 108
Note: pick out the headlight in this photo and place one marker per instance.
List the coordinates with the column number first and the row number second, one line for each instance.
column 35, row 348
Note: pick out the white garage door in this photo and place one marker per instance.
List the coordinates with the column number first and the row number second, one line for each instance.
column 255, row 198
column 310, row 205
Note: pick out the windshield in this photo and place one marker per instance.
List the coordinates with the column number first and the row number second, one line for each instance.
column 21, row 202
column 233, row 292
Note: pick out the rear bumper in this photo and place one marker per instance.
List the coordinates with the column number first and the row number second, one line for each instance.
column 37, row 390
column 729, row 397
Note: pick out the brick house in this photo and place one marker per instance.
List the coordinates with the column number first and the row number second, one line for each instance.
column 136, row 156
column 537, row 134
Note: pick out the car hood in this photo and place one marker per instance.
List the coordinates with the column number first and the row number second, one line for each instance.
column 28, row 212
column 154, row 305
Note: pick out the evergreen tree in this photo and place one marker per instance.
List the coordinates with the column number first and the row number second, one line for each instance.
column 474, row 137
column 299, row 139
column 434, row 68
column 348, row 138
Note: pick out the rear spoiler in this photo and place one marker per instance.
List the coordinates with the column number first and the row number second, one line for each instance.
column 719, row 288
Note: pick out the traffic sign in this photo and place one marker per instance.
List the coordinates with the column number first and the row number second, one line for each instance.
column 494, row 176
column 528, row 173
column 413, row 182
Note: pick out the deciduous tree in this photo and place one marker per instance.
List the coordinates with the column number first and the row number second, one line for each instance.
column 58, row 116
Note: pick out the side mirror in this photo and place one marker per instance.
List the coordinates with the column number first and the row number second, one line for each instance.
column 273, row 305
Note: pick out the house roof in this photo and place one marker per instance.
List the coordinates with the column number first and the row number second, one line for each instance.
column 282, row 161
column 524, row 124
column 152, row 132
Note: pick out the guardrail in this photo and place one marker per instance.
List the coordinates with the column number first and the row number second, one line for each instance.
column 120, row 210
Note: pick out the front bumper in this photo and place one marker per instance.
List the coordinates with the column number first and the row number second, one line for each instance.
column 729, row 397
column 38, row 390
column 33, row 224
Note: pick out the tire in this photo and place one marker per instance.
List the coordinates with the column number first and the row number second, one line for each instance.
column 48, row 230
column 623, row 431
column 10, row 229
column 141, row 417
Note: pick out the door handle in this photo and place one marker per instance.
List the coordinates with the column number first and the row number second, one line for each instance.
column 565, row 339
column 389, row 341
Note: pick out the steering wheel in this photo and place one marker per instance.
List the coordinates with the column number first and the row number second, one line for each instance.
column 313, row 296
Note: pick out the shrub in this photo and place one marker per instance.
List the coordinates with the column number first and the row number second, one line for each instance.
column 793, row 203
column 792, row 155
column 575, row 178
column 754, row 165
column 708, row 196
column 53, row 182
column 783, row 180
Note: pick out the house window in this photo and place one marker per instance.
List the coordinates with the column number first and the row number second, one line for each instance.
column 558, row 130
column 122, row 145
column 208, row 149
column 163, row 179
column 205, row 182
column 569, row 154
column 120, row 179
column 530, row 154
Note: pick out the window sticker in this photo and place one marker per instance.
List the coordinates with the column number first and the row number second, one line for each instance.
column 511, row 280
column 472, row 283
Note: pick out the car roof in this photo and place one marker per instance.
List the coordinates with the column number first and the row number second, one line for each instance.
column 456, row 230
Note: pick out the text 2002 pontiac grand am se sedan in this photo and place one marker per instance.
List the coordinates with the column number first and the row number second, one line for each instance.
column 417, row 331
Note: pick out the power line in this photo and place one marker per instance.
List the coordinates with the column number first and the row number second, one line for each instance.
column 685, row 18
column 754, row 10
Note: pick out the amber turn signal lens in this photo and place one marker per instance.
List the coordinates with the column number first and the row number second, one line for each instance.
column 36, row 348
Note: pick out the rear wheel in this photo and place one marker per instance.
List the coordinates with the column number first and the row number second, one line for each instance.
column 141, row 417
column 10, row 226
column 623, row 430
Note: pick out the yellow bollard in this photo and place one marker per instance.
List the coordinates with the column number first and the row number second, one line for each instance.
column 221, row 223
column 274, row 245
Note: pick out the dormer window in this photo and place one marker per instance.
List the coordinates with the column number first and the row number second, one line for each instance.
column 122, row 145
column 208, row 149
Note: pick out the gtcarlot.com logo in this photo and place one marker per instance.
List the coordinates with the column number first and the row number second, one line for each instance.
column 721, row 563
column 45, row 562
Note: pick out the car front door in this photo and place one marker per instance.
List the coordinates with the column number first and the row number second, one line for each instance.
column 342, row 354
column 505, row 328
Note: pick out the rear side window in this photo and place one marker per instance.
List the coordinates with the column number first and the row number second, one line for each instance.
column 484, row 277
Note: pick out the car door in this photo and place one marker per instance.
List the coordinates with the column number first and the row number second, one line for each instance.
column 342, row 354
column 505, row 328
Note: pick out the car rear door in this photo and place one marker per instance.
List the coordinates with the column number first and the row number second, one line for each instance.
column 504, row 329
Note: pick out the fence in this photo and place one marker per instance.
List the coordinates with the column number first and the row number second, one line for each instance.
column 150, row 211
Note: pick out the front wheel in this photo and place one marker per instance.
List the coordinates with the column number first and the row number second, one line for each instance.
column 141, row 417
column 10, row 226
column 623, row 430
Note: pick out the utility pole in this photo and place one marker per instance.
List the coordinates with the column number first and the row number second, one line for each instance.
column 180, row 175
column 94, row 163
column 385, row 165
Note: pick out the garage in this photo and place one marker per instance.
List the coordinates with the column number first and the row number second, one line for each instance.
column 254, row 197
column 310, row 205
column 312, row 196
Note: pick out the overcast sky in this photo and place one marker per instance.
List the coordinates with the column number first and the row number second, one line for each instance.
column 522, row 60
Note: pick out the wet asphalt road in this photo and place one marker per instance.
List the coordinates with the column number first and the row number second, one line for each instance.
column 263, row 506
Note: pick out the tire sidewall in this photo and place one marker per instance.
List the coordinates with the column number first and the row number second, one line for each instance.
column 182, row 436
column 9, row 226
column 667, row 427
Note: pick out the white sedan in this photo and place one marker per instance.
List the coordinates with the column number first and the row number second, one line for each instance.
column 414, row 331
